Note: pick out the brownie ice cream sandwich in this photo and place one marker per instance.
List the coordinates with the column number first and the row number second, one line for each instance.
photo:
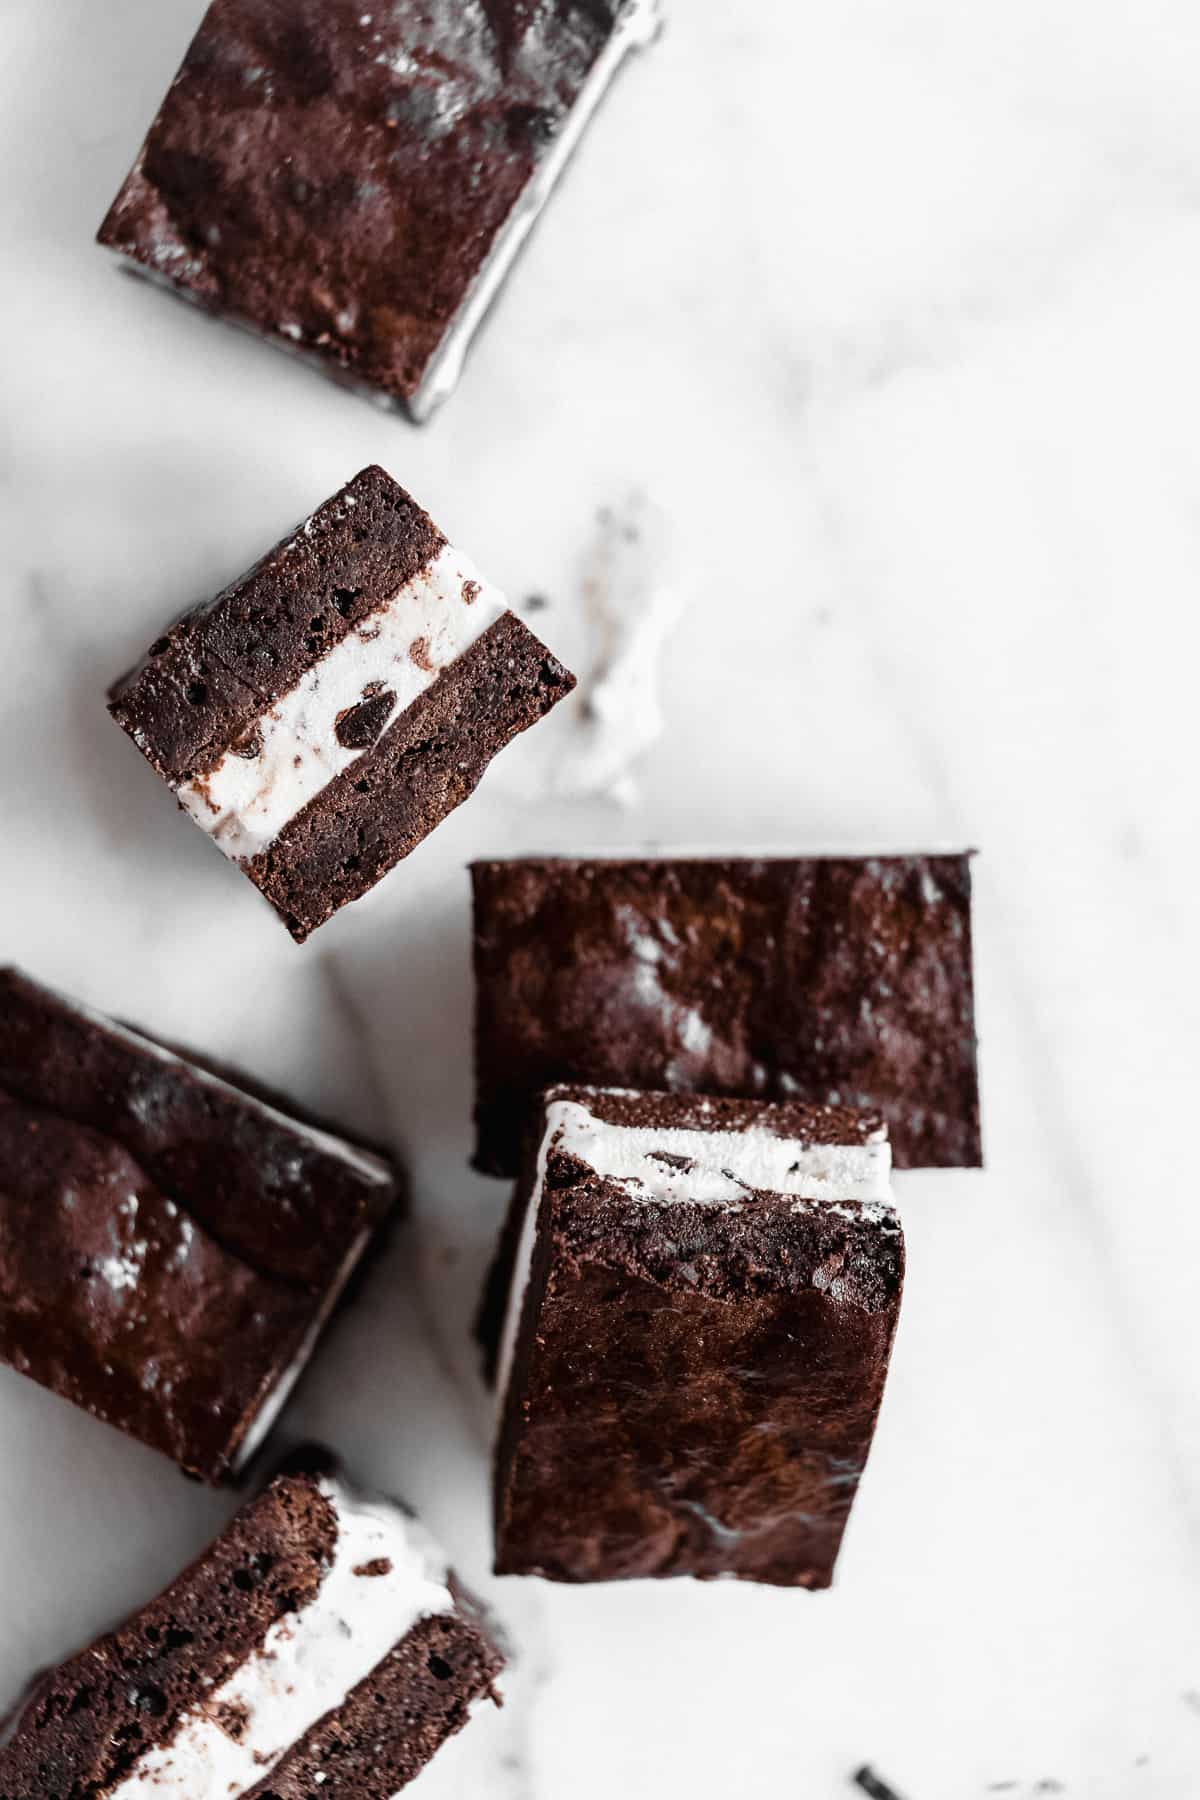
column 838, row 980
column 320, row 1645
column 699, row 1307
column 323, row 714
column 171, row 1246
column 353, row 182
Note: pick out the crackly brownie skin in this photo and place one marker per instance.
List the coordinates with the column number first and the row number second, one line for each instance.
column 323, row 714
column 317, row 1644
column 282, row 1195
column 693, row 1362
column 843, row 979
column 353, row 182
column 103, row 1279
column 170, row 1245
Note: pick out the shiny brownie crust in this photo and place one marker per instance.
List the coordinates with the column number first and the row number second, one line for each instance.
column 694, row 1389
column 334, row 175
column 837, row 979
column 168, row 1249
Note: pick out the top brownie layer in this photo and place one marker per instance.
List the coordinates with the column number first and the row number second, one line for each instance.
column 205, row 684
column 837, row 979
column 801, row 1120
column 287, row 1199
column 338, row 174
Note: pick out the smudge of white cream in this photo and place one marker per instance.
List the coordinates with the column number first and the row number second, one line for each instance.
column 633, row 603
column 629, row 601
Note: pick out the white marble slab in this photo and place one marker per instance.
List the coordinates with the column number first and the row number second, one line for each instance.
column 890, row 307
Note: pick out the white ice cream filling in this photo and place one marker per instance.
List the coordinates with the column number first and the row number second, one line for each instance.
column 665, row 1166
column 309, row 1661
column 718, row 1167
column 393, row 655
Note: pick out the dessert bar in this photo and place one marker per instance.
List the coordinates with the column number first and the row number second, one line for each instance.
column 321, row 716
column 838, row 980
column 318, row 1646
column 354, row 181
column 170, row 1245
column 699, row 1314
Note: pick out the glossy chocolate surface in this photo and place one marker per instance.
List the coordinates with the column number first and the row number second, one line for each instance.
column 169, row 1247
column 695, row 1387
column 335, row 174
column 838, row 979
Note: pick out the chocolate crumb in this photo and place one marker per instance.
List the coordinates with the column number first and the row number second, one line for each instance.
column 418, row 652
column 379, row 1565
column 233, row 1718
column 470, row 592
column 671, row 1159
column 358, row 727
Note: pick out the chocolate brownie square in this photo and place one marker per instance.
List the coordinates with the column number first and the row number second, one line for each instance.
column 323, row 714
column 839, row 980
column 354, row 181
column 171, row 1246
column 699, row 1315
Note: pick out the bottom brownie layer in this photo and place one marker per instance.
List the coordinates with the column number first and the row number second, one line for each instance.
column 423, row 767
column 394, row 1722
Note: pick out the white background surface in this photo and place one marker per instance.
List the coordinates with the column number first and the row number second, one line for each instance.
column 891, row 306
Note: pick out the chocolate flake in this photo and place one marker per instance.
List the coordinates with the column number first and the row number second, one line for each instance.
column 359, row 726
column 873, row 1785
column 232, row 1717
column 671, row 1159
column 379, row 1565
